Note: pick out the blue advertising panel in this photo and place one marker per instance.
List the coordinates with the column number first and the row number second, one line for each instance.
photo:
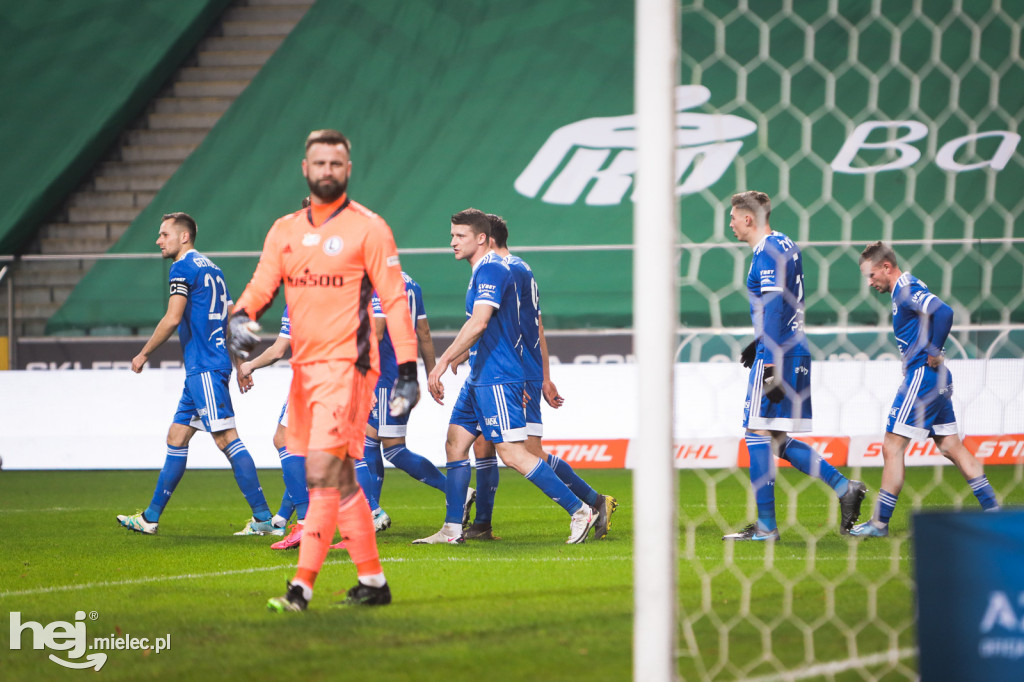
column 969, row 568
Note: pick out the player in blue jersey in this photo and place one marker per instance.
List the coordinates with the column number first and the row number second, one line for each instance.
column 778, row 398
column 197, row 307
column 384, row 430
column 491, row 399
column 924, row 401
column 293, row 467
column 537, row 374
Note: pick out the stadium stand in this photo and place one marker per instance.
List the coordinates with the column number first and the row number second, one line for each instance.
column 133, row 104
column 515, row 114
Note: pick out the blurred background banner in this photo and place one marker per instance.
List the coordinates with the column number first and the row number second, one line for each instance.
column 970, row 595
column 861, row 125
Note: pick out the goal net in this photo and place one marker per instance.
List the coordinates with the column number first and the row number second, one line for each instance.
column 869, row 121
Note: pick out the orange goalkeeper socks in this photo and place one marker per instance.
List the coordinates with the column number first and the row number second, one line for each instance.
column 321, row 520
column 355, row 522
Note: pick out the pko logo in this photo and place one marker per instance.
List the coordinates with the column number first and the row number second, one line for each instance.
column 602, row 151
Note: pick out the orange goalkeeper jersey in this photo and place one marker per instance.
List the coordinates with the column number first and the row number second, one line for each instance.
column 330, row 271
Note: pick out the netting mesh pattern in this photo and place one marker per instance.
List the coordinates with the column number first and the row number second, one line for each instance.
column 875, row 120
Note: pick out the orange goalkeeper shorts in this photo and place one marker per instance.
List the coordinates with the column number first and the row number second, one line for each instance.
column 328, row 405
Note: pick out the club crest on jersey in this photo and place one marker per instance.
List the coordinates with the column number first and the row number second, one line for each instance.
column 333, row 246
column 310, row 239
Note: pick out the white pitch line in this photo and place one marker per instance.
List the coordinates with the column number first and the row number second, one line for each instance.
column 833, row 667
column 263, row 569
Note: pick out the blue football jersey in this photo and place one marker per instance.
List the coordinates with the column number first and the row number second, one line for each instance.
column 286, row 325
column 388, row 363
column 495, row 357
column 201, row 330
column 529, row 317
column 912, row 304
column 775, row 286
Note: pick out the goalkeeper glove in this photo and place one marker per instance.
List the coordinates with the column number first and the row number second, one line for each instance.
column 772, row 386
column 406, row 391
column 242, row 336
column 748, row 354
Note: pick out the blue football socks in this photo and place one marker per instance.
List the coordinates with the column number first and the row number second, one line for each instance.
column 247, row 479
column 886, row 506
column 367, row 481
column 545, row 478
column 982, row 489
column 568, row 476
column 762, row 478
column 417, row 466
column 486, row 488
column 374, row 463
column 170, row 475
column 806, row 459
column 293, row 470
column 456, row 485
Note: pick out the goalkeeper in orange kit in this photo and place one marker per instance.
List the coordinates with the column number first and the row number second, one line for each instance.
column 331, row 257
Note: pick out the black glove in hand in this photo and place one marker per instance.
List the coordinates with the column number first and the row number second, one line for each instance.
column 772, row 386
column 749, row 354
column 242, row 335
column 406, row 391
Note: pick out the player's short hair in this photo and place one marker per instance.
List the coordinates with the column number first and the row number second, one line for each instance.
column 475, row 219
column 328, row 136
column 879, row 253
column 185, row 221
column 758, row 203
column 499, row 230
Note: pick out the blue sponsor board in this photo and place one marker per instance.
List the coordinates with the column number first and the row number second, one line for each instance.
column 969, row 568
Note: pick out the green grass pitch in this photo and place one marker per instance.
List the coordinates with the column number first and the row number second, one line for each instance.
column 527, row 607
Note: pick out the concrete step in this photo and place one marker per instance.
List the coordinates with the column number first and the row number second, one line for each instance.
column 192, row 105
column 192, row 74
column 257, row 28
column 67, row 276
column 41, row 295
column 113, row 199
column 166, row 137
column 241, row 43
column 201, row 121
column 73, row 246
column 158, row 153
column 115, row 183
column 136, row 168
column 269, row 12
column 99, row 214
column 209, row 88
column 260, row 3
column 255, row 58
column 83, row 230
column 35, row 312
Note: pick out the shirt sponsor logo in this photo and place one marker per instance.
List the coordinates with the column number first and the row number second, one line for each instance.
column 310, row 239
column 599, row 154
column 393, row 261
column 312, row 279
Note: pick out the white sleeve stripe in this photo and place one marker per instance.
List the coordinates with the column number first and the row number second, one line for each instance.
column 490, row 303
column 771, row 288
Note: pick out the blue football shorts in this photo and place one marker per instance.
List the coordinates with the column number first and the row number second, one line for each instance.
column 205, row 403
column 381, row 419
column 496, row 411
column 793, row 413
column 924, row 404
column 534, row 425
